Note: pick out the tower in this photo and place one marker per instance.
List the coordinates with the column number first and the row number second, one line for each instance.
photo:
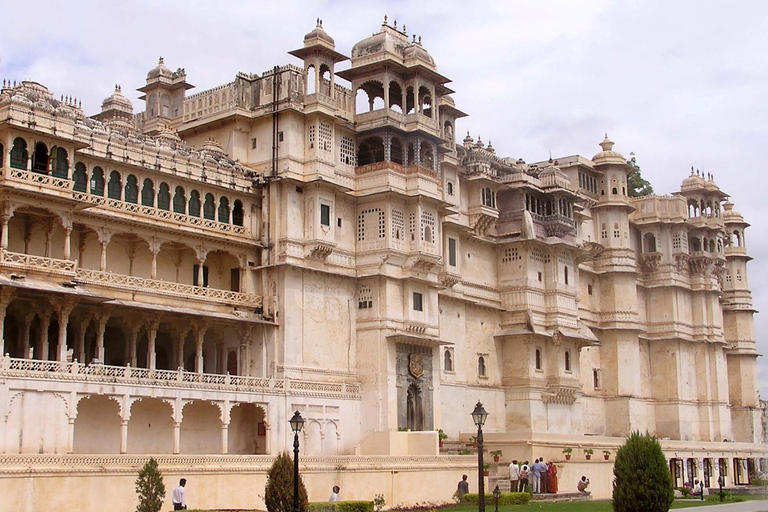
column 164, row 94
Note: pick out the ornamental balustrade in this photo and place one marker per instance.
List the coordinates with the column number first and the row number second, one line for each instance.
column 14, row 368
column 29, row 262
column 43, row 181
column 123, row 282
column 398, row 168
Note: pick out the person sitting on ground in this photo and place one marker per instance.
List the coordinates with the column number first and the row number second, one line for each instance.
column 582, row 485
column 335, row 493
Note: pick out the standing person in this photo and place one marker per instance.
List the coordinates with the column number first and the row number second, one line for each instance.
column 463, row 487
column 179, row 496
column 536, row 475
column 552, row 478
column 335, row 493
column 543, row 486
column 514, row 476
column 582, row 485
column 525, row 473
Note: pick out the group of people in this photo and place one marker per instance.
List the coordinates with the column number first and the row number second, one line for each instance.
column 541, row 476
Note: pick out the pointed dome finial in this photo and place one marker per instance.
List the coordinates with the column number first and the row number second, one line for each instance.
column 607, row 143
column 395, row 24
column 161, row 61
column 405, row 30
column 385, row 21
column 321, row 23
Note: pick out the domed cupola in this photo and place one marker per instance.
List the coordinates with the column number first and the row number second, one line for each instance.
column 117, row 102
column 160, row 71
column 318, row 35
column 415, row 54
column 607, row 155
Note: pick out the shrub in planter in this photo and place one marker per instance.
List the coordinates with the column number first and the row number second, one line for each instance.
column 496, row 454
column 642, row 480
column 278, row 494
column 567, row 452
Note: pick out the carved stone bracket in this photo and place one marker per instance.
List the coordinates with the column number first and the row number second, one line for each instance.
column 651, row 261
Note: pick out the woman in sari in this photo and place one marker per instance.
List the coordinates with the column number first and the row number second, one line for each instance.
column 551, row 478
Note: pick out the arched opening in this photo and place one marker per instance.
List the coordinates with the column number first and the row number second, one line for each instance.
column 194, row 203
column 568, row 360
column 150, row 429
column 614, row 191
column 224, row 210
column 325, row 80
column 649, row 242
column 59, row 162
column 481, row 371
column 97, row 182
column 237, row 213
column 448, row 132
column 449, row 188
column 115, row 186
column 148, row 193
column 179, row 200
column 425, row 101
column 164, row 197
column 97, row 426
column 370, row 150
column 414, row 408
column 131, row 189
column 695, row 245
column 80, row 177
column 200, row 428
column 19, row 154
column 447, row 361
column 410, row 102
column 311, row 78
column 209, row 207
column 372, row 97
column 427, row 157
column 395, row 97
column 247, row 430
column 40, row 159
column 538, row 359
column 396, row 151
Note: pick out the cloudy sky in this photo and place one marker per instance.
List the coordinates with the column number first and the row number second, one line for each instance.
column 679, row 83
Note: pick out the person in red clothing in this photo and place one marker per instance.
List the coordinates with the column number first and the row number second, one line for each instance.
column 551, row 478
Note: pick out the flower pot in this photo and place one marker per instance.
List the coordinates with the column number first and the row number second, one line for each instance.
column 567, row 456
column 440, row 443
column 485, row 472
column 495, row 459
column 607, row 457
column 588, row 456
column 474, row 445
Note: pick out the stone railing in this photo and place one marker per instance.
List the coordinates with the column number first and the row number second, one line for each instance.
column 44, row 180
column 32, row 262
column 157, row 213
column 398, row 168
column 124, row 282
column 126, row 375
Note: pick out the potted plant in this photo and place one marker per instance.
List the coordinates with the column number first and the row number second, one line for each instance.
column 607, row 454
column 588, row 453
column 496, row 454
column 486, row 469
column 567, row 451
column 441, row 436
column 472, row 442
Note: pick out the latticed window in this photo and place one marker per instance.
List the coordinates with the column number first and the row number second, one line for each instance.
column 347, row 151
column 616, row 232
column 364, row 297
column 427, row 227
column 398, row 225
column 370, row 220
column 677, row 242
column 603, row 231
column 510, row 254
column 412, row 224
column 80, row 177
column 325, row 137
column 538, row 256
column 311, row 136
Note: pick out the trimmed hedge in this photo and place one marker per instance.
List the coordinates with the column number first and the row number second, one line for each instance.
column 341, row 506
column 506, row 498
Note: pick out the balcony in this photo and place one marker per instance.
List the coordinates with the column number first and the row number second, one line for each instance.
column 40, row 264
column 556, row 225
column 23, row 179
column 386, row 117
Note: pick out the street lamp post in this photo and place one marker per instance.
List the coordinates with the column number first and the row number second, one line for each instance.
column 297, row 422
column 478, row 416
column 497, row 495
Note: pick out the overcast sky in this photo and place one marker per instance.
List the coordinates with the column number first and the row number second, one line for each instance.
column 679, row 83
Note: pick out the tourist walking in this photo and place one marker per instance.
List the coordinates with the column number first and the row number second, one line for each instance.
column 179, row 496
column 335, row 493
column 463, row 487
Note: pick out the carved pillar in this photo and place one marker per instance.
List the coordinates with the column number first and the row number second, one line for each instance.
column 5, row 218
column 48, row 237
column 179, row 349
column 154, row 248
column 387, row 146
column 80, row 340
column 151, row 336
column 71, row 435
column 25, row 334
column 224, row 438
column 244, row 333
column 417, row 152
column 103, row 318
column 6, row 296
column 176, row 437
column 42, row 344
column 104, row 238
column 63, row 308
column 67, row 242
column 123, row 436
column 201, row 330
column 133, row 341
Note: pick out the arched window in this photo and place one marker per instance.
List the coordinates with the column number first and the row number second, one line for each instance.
column 19, row 155
column 59, row 162
column 567, row 360
column 115, row 186
column 148, row 193
column 40, row 159
column 614, row 191
column 209, row 207
column 370, row 151
column 224, row 210
column 179, row 201
column 427, row 157
column 538, row 359
column 80, row 177
column 449, row 187
column 194, row 203
column 131, row 189
column 237, row 213
column 488, row 197
column 481, row 366
column 164, row 197
column 97, row 182
column 650, row 242
column 596, row 378
column 448, row 361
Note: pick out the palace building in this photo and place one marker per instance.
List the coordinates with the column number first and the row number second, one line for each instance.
column 176, row 281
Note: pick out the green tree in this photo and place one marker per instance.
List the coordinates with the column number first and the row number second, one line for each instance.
column 150, row 488
column 637, row 186
column 278, row 495
column 642, row 482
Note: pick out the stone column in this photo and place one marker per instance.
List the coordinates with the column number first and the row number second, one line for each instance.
column 104, row 238
column 80, row 341
column 71, row 435
column 45, row 322
column 123, row 436
column 151, row 336
column 5, row 218
column 67, row 242
column 25, row 334
column 64, row 308
column 244, row 333
column 224, row 438
column 201, row 329
column 48, row 238
column 154, row 248
column 176, row 437
column 101, row 328
column 6, row 296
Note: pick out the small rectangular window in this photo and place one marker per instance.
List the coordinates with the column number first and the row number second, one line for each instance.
column 452, row 252
column 338, row 222
column 589, row 289
column 253, row 143
column 540, row 276
column 418, row 302
column 325, row 215
column 279, row 136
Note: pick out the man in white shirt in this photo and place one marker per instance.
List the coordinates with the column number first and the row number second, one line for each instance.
column 514, row 476
column 179, row 496
column 335, row 493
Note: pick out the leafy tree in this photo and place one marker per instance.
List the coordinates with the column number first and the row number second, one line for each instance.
column 150, row 488
column 278, row 495
column 642, row 482
column 637, row 186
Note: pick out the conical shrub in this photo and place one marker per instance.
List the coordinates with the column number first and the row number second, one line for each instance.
column 642, row 481
column 278, row 495
column 150, row 488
